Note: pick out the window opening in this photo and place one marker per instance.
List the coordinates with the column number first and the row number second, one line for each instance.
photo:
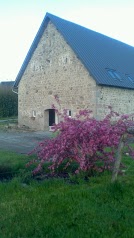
column 130, row 78
column 114, row 74
column 69, row 113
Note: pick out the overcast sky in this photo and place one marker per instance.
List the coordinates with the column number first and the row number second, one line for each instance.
column 20, row 20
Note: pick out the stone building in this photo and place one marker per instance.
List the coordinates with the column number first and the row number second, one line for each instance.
column 84, row 68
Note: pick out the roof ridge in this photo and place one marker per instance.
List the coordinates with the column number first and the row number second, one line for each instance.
column 102, row 34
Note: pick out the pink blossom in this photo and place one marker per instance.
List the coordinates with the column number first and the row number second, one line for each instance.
column 88, row 142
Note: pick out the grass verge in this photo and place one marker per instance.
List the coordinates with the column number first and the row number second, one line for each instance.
column 54, row 208
column 4, row 124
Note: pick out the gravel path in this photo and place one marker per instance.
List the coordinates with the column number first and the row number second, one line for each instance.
column 21, row 142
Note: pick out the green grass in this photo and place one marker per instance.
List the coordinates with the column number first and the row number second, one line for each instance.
column 6, row 123
column 56, row 208
column 13, row 165
column 3, row 125
column 8, row 118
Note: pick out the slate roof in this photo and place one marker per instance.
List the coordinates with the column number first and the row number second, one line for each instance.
column 97, row 52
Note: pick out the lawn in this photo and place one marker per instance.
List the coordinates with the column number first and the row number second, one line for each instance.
column 56, row 208
column 5, row 121
column 9, row 118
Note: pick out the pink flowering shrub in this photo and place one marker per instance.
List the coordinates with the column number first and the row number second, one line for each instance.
column 89, row 142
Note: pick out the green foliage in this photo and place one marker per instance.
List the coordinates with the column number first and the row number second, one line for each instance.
column 8, row 102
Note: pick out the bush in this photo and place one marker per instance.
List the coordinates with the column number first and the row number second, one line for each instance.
column 90, row 143
column 8, row 102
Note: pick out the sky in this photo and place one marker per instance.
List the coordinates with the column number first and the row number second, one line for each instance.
column 21, row 19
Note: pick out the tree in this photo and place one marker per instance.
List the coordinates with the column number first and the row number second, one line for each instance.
column 91, row 143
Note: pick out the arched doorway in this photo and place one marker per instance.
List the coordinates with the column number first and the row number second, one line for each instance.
column 50, row 118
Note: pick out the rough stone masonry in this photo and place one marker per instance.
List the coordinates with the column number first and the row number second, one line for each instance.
column 54, row 69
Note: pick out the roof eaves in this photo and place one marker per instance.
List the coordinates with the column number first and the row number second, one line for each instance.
column 117, row 86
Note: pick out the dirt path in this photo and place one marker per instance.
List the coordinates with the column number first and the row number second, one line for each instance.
column 21, row 142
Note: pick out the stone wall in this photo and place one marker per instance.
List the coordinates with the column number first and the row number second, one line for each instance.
column 54, row 69
column 121, row 100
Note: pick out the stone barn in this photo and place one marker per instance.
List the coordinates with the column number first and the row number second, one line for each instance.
column 84, row 68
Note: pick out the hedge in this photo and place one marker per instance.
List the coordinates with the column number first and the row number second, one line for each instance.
column 8, row 102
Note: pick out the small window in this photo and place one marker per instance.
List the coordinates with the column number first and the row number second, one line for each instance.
column 114, row 74
column 111, row 74
column 117, row 75
column 69, row 113
column 130, row 78
column 33, row 113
